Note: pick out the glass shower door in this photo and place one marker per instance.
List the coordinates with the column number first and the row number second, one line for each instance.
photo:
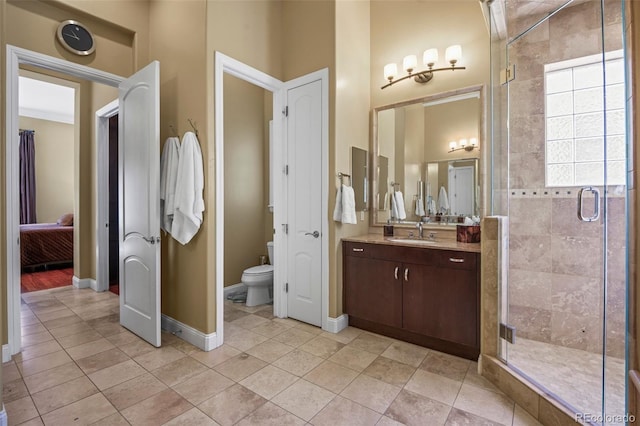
column 560, row 146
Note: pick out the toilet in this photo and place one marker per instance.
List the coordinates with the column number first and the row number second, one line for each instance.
column 259, row 281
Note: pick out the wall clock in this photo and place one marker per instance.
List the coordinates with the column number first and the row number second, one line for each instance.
column 76, row 38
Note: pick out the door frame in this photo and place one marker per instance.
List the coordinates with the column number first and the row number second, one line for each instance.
column 15, row 57
column 225, row 64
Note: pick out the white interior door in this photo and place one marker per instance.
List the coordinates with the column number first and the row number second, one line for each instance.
column 461, row 190
column 304, row 188
column 139, row 177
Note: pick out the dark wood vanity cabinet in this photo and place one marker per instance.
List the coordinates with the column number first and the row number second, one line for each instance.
column 425, row 296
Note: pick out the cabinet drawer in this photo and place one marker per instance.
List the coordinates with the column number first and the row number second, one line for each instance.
column 454, row 259
column 367, row 250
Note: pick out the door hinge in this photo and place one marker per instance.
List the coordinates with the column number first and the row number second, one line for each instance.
column 508, row 332
column 285, row 228
column 285, row 170
column 286, row 287
column 508, row 74
column 285, row 111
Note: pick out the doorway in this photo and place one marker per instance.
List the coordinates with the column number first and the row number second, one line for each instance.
column 114, row 245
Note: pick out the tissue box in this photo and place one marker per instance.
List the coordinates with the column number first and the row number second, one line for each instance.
column 468, row 233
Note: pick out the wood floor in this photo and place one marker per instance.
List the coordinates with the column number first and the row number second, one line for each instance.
column 43, row 280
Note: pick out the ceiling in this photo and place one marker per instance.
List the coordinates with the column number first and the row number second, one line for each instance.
column 46, row 101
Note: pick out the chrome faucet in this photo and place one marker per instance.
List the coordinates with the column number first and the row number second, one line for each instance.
column 420, row 230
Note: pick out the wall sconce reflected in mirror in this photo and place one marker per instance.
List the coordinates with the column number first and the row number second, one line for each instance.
column 467, row 145
column 453, row 55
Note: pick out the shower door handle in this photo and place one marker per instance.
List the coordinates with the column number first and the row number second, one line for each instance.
column 596, row 207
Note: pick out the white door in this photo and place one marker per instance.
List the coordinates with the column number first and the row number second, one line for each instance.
column 139, row 177
column 304, row 188
column 461, row 190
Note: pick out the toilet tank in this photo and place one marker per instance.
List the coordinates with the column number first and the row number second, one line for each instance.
column 270, row 251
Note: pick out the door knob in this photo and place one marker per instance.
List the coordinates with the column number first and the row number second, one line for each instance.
column 315, row 234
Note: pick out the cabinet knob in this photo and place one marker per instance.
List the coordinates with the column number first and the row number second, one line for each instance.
column 395, row 273
column 406, row 274
column 456, row 260
column 358, row 250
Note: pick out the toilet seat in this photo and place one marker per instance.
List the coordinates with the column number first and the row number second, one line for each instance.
column 259, row 270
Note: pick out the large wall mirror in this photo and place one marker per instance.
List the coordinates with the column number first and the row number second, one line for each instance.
column 421, row 171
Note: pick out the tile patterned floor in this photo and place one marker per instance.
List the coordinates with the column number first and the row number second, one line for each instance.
column 78, row 366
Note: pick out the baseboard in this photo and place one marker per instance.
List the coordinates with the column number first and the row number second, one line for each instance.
column 3, row 417
column 234, row 288
column 84, row 282
column 336, row 325
column 206, row 342
column 6, row 353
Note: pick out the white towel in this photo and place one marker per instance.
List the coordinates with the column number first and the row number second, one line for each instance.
column 168, row 178
column 189, row 203
column 419, row 207
column 431, row 206
column 337, row 211
column 443, row 200
column 398, row 198
column 348, row 205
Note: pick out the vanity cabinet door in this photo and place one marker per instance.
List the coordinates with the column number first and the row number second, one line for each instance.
column 441, row 302
column 372, row 291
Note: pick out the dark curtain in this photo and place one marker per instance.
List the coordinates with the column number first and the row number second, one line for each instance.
column 27, row 177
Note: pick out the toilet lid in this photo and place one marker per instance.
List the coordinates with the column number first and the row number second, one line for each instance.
column 259, row 270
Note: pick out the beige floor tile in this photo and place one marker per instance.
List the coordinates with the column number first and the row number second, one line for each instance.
column 446, row 365
column 40, row 349
column 64, row 394
column 270, row 329
column 112, row 420
column 322, row 347
column 52, row 377
column 371, row 343
column 20, row 410
column 79, row 339
column 159, row 357
column 390, row 371
column 61, row 312
column 294, row 337
column 331, row 376
column 298, row 362
column 286, row 321
column 86, row 411
column 121, row 338
column 133, row 391
column 353, row 358
column 136, row 348
column 522, row 418
column 33, row 329
column 10, row 372
column 303, row 399
column 412, row 409
column 234, row 314
column 42, row 363
column 269, row 381
column 179, row 371
column 232, row 405
column 484, row 403
column 101, row 360
column 157, row 409
column 36, row 421
column 186, row 347
column 191, row 418
column 271, row 415
column 215, row 356
column 15, row 389
column 35, row 338
column 434, row 386
column 62, row 321
column 240, row 366
column 341, row 411
column 116, row 374
column 462, row 418
column 270, row 350
column 475, row 379
column 344, row 336
column 250, row 321
column 90, row 348
column 68, row 330
column 386, row 421
column 406, row 353
column 308, row 328
column 203, row 386
column 370, row 392
column 109, row 329
column 244, row 340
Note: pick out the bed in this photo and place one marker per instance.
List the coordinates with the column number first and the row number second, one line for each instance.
column 45, row 244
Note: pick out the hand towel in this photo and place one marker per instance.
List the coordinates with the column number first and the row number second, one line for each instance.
column 394, row 207
column 168, row 178
column 419, row 207
column 348, row 205
column 443, row 200
column 399, row 201
column 189, row 203
column 432, row 206
column 337, row 211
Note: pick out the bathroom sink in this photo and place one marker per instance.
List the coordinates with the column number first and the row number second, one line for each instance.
column 412, row 241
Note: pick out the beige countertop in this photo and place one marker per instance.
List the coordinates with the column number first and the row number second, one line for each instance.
column 438, row 244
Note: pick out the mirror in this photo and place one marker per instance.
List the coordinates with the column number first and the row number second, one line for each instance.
column 359, row 173
column 418, row 175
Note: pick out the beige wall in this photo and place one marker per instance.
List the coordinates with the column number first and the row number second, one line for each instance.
column 54, row 167
column 451, row 122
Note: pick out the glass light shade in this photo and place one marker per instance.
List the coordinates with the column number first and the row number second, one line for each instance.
column 453, row 53
column 409, row 63
column 390, row 71
column 452, row 145
column 430, row 57
column 473, row 142
column 463, row 143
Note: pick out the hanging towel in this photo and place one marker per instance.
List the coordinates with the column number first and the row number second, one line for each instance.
column 337, row 211
column 431, row 204
column 443, row 200
column 419, row 207
column 398, row 199
column 394, row 207
column 168, row 177
column 189, row 203
column 348, row 205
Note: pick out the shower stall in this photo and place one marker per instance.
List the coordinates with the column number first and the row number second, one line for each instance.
column 559, row 170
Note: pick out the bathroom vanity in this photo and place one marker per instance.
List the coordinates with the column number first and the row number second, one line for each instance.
column 423, row 292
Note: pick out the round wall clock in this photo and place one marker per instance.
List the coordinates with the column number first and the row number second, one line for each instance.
column 76, row 38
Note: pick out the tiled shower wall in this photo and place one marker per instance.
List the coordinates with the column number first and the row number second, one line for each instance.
column 555, row 261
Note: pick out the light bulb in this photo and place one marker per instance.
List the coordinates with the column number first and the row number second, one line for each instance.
column 409, row 63
column 430, row 57
column 473, row 142
column 463, row 143
column 453, row 54
column 452, row 145
column 390, row 71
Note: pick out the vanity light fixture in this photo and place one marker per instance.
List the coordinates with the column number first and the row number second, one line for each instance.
column 453, row 54
column 469, row 145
